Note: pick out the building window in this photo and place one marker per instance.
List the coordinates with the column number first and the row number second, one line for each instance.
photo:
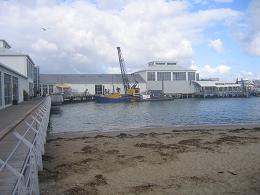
column 1, row 103
column 36, row 78
column 166, row 76
column 45, row 90
column 15, row 89
column 160, row 63
column 8, row 89
column 191, row 76
column 40, row 89
column 179, row 76
column 31, row 89
column 151, row 76
column 99, row 89
column 30, row 68
column 171, row 63
column 197, row 77
column 50, row 89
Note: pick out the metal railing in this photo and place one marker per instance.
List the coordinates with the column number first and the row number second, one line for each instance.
column 23, row 148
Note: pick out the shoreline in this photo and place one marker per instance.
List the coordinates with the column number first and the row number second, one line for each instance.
column 220, row 159
column 134, row 131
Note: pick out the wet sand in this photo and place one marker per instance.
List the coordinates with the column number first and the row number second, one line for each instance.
column 163, row 161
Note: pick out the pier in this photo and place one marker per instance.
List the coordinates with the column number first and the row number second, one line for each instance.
column 23, row 131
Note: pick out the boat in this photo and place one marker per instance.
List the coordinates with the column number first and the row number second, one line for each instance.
column 151, row 98
column 156, row 99
column 113, row 98
column 131, row 92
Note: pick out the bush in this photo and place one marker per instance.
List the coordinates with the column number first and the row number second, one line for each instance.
column 15, row 102
column 25, row 95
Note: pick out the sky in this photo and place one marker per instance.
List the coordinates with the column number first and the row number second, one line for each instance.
column 219, row 38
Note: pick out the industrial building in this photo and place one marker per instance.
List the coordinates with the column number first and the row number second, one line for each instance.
column 169, row 78
column 93, row 84
column 160, row 76
column 166, row 77
column 219, row 89
column 16, row 75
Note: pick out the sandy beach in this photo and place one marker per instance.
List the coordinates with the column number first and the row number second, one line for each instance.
column 164, row 161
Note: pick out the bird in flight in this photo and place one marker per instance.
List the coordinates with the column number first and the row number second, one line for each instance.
column 44, row 29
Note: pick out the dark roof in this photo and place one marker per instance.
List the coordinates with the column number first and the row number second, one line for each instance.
column 87, row 78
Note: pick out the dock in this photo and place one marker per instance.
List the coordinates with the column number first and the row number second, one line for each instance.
column 23, row 131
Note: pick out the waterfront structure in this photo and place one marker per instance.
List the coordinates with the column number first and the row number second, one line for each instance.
column 169, row 78
column 218, row 89
column 23, row 130
column 20, row 63
column 92, row 84
column 12, row 85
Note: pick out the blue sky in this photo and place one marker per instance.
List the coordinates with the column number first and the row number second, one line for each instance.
column 219, row 38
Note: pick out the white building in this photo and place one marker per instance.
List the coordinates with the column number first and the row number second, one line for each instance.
column 16, row 76
column 20, row 63
column 169, row 77
column 12, row 85
column 219, row 89
column 94, row 84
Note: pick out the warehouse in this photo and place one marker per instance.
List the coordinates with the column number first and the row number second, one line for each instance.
column 219, row 89
column 93, row 84
column 169, row 78
column 160, row 76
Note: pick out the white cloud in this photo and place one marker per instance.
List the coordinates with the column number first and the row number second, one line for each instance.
column 224, row 1
column 44, row 45
column 248, row 75
column 113, row 70
column 249, row 35
column 222, row 69
column 254, row 46
column 83, row 36
column 217, row 45
column 207, row 2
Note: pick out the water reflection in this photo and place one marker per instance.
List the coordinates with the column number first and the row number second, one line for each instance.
column 106, row 117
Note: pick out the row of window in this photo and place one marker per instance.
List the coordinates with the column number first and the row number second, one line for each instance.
column 30, row 69
column 10, row 89
column 166, row 76
column 46, row 89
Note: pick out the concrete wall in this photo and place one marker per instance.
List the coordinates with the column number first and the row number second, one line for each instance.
column 80, row 88
column 17, row 63
column 143, row 74
column 172, row 87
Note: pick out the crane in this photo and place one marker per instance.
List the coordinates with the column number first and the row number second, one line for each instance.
column 127, row 88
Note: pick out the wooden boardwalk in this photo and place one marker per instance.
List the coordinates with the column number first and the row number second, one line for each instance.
column 12, row 119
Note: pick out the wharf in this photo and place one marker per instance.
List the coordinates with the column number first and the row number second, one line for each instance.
column 11, row 115
column 78, row 98
column 22, row 135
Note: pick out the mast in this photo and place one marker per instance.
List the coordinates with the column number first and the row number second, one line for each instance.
column 123, row 70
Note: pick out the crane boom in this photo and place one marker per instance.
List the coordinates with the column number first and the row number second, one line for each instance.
column 123, row 70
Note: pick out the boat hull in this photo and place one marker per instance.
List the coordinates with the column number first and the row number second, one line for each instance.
column 103, row 99
column 155, row 99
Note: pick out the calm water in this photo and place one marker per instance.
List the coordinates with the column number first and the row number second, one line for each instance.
column 107, row 117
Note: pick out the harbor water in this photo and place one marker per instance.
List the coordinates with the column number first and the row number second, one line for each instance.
column 180, row 112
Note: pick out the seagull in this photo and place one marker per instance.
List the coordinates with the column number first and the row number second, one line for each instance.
column 44, row 29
